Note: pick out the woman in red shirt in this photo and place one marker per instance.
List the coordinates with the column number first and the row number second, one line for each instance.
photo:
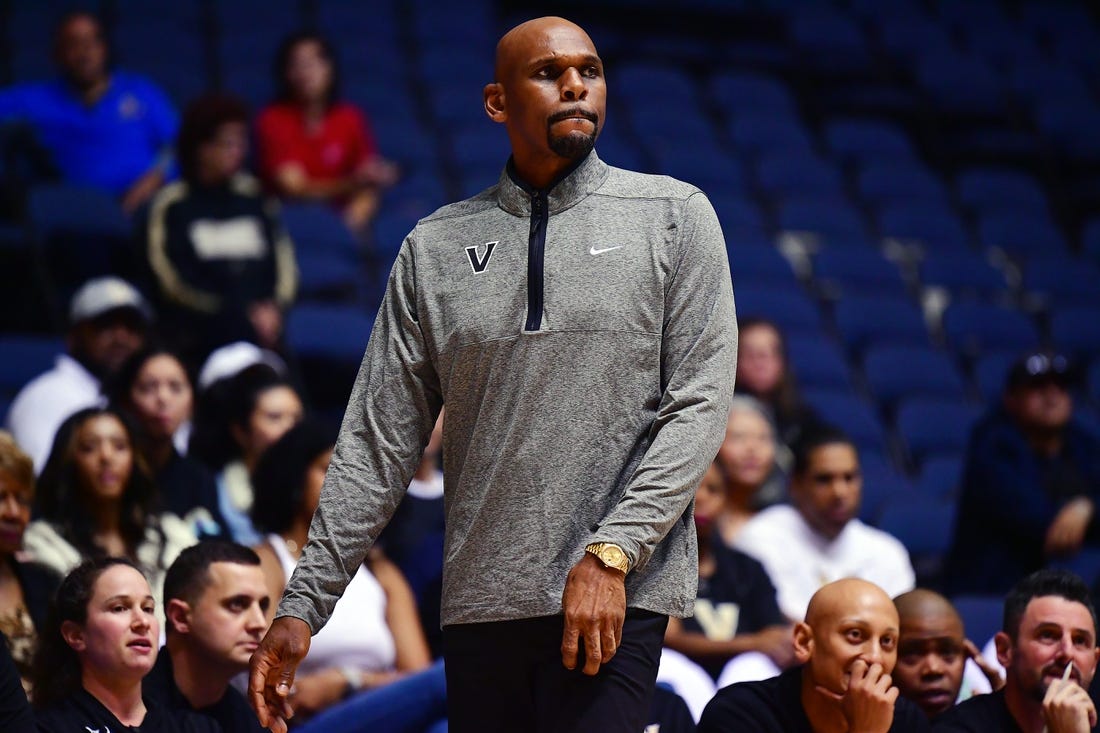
column 314, row 146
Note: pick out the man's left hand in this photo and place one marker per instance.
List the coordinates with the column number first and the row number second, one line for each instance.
column 594, row 605
column 1067, row 532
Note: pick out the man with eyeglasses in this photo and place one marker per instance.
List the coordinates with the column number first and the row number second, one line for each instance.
column 1031, row 482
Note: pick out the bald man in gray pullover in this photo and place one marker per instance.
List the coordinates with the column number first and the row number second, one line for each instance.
column 578, row 321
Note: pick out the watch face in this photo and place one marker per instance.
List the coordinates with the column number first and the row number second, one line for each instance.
column 612, row 555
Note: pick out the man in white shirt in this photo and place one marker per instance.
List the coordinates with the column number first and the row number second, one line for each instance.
column 108, row 322
column 817, row 538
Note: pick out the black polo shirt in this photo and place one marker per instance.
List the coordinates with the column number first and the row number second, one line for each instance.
column 81, row 712
column 231, row 712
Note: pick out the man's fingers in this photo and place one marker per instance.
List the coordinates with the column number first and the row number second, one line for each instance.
column 569, row 645
column 593, row 651
column 608, row 645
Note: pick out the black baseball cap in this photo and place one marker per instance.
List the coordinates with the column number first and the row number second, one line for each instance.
column 1040, row 367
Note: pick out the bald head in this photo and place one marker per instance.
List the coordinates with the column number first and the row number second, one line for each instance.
column 924, row 605
column 847, row 597
column 515, row 47
column 931, row 651
column 549, row 94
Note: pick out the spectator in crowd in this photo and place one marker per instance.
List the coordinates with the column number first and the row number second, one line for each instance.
column 737, row 631
column 15, row 711
column 25, row 586
column 96, row 498
column 846, row 647
column 313, row 145
column 747, row 460
column 1048, row 649
column 216, row 606
column 109, row 319
column 223, row 264
column 819, row 537
column 1030, row 484
column 238, row 419
column 764, row 373
column 374, row 637
column 937, row 665
column 100, row 642
column 154, row 389
column 104, row 128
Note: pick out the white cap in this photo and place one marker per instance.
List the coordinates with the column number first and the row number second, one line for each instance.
column 104, row 294
column 231, row 359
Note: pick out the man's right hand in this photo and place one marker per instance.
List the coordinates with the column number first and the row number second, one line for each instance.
column 1067, row 708
column 868, row 704
column 271, row 674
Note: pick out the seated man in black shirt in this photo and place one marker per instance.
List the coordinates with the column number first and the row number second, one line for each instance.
column 847, row 647
column 216, row 605
column 1048, row 649
column 933, row 651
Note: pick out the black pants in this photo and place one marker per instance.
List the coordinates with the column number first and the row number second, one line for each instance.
column 507, row 677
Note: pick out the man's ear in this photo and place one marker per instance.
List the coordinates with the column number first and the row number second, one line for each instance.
column 494, row 102
column 803, row 642
column 1003, row 643
column 178, row 615
column 73, row 634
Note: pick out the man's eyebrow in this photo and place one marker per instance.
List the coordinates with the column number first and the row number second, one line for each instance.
column 587, row 58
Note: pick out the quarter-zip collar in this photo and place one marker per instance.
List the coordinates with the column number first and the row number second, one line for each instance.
column 515, row 196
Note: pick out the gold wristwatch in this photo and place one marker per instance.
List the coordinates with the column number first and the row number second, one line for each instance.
column 610, row 555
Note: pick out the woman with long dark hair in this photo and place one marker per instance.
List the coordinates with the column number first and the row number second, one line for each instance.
column 97, row 499
column 100, row 641
column 312, row 144
column 155, row 389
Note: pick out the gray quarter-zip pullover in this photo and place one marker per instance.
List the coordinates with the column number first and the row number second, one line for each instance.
column 590, row 421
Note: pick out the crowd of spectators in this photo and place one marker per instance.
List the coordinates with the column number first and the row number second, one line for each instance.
column 159, row 440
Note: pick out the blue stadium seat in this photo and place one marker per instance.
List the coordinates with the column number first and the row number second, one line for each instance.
column 1062, row 280
column 935, row 426
column 835, row 220
column 851, row 414
column 963, row 273
column 780, row 174
column 896, row 372
column 25, row 357
column 852, row 271
column 974, row 328
column 961, row 84
column 883, row 183
column 862, row 141
column 335, row 333
column 1094, row 381
column 1020, row 233
column 326, row 277
column 925, row 525
column 760, row 265
column 863, row 320
column 906, row 38
column 789, row 307
column 1090, row 240
column 739, row 216
column 1035, row 83
column 1069, row 125
column 318, row 229
column 758, row 130
column 1003, row 46
column 1076, row 330
column 817, row 362
column 940, row 475
column 829, row 42
column 882, row 485
column 991, row 372
column 704, row 165
column 934, row 226
column 988, row 188
column 982, row 616
column 82, row 231
column 736, row 91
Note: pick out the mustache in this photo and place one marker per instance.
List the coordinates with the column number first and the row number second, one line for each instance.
column 565, row 114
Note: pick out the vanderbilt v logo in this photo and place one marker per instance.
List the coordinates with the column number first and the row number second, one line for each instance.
column 479, row 265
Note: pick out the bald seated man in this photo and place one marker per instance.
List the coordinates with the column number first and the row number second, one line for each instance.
column 846, row 649
column 578, row 321
column 934, row 655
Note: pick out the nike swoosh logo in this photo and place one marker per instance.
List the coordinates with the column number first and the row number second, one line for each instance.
column 595, row 251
